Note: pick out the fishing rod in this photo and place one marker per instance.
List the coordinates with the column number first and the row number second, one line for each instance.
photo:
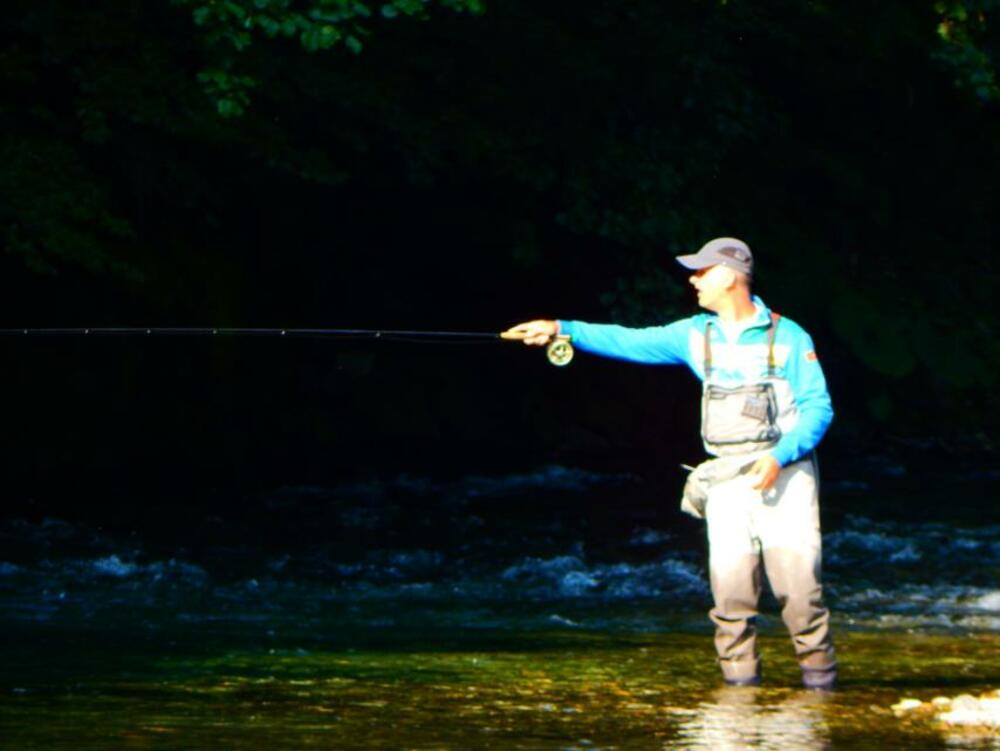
column 559, row 351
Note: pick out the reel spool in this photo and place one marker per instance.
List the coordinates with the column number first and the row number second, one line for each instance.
column 559, row 351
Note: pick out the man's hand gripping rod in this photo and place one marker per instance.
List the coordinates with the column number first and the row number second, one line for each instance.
column 543, row 333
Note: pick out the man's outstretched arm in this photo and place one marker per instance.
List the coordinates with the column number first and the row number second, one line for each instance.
column 654, row 345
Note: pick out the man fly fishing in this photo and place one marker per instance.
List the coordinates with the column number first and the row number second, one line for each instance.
column 764, row 408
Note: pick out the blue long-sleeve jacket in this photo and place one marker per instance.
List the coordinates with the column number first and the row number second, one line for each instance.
column 804, row 407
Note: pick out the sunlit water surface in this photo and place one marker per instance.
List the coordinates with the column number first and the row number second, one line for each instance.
column 525, row 612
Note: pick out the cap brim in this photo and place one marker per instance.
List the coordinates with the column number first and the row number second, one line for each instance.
column 694, row 262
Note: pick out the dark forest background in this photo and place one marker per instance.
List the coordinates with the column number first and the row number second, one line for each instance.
column 462, row 166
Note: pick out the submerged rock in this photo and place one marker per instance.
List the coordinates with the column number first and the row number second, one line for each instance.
column 965, row 710
column 906, row 705
column 970, row 710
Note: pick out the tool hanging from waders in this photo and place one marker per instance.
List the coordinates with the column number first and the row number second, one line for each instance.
column 559, row 351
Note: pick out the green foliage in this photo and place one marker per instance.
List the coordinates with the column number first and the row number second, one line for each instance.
column 590, row 139
column 900, row 339
column 96, row 101
column 971, row 44
column 644, row 299
column 54, row 212
column 877, row 334
column 230, row 27
column 954, row 351
column 880, row 407
column 229, row 91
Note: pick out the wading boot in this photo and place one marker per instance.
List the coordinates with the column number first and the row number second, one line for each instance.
column 820, row 679
column 741, row 672
column 751, row 681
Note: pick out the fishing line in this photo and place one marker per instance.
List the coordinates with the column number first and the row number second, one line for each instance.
column 559, row 351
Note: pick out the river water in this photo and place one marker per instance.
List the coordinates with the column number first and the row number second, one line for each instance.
column 556, row 609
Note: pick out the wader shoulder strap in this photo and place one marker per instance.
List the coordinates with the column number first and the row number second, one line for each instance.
column 771, row 331
column 708, row 349
column 772, row 366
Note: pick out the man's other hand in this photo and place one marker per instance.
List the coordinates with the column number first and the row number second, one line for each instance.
column 764, row 472
column 537, row 333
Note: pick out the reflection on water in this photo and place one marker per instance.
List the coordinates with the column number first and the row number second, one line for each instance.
column 963, row 739
column 735, row 719
column 525, row 612
column 540, row 692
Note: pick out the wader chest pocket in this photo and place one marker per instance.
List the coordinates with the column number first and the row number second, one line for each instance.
column 742, row 418
column 755, row 406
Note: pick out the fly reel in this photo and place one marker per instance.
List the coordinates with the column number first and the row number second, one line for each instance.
column 559, row 351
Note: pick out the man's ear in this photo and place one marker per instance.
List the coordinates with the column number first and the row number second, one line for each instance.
column 731, row 278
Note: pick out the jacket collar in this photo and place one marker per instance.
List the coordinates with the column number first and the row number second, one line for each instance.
column 761, row 317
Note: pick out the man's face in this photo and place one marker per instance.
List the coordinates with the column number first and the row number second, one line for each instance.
column 712, row 284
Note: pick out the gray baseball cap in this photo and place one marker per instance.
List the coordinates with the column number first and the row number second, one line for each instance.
column 722, row 251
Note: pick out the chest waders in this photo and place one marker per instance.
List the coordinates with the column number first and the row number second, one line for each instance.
column 752, row 532
column 740, row 419
column 736, row 423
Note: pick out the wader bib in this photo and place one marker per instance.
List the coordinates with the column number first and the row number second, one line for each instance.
column 751, row 532
column 740, row 419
